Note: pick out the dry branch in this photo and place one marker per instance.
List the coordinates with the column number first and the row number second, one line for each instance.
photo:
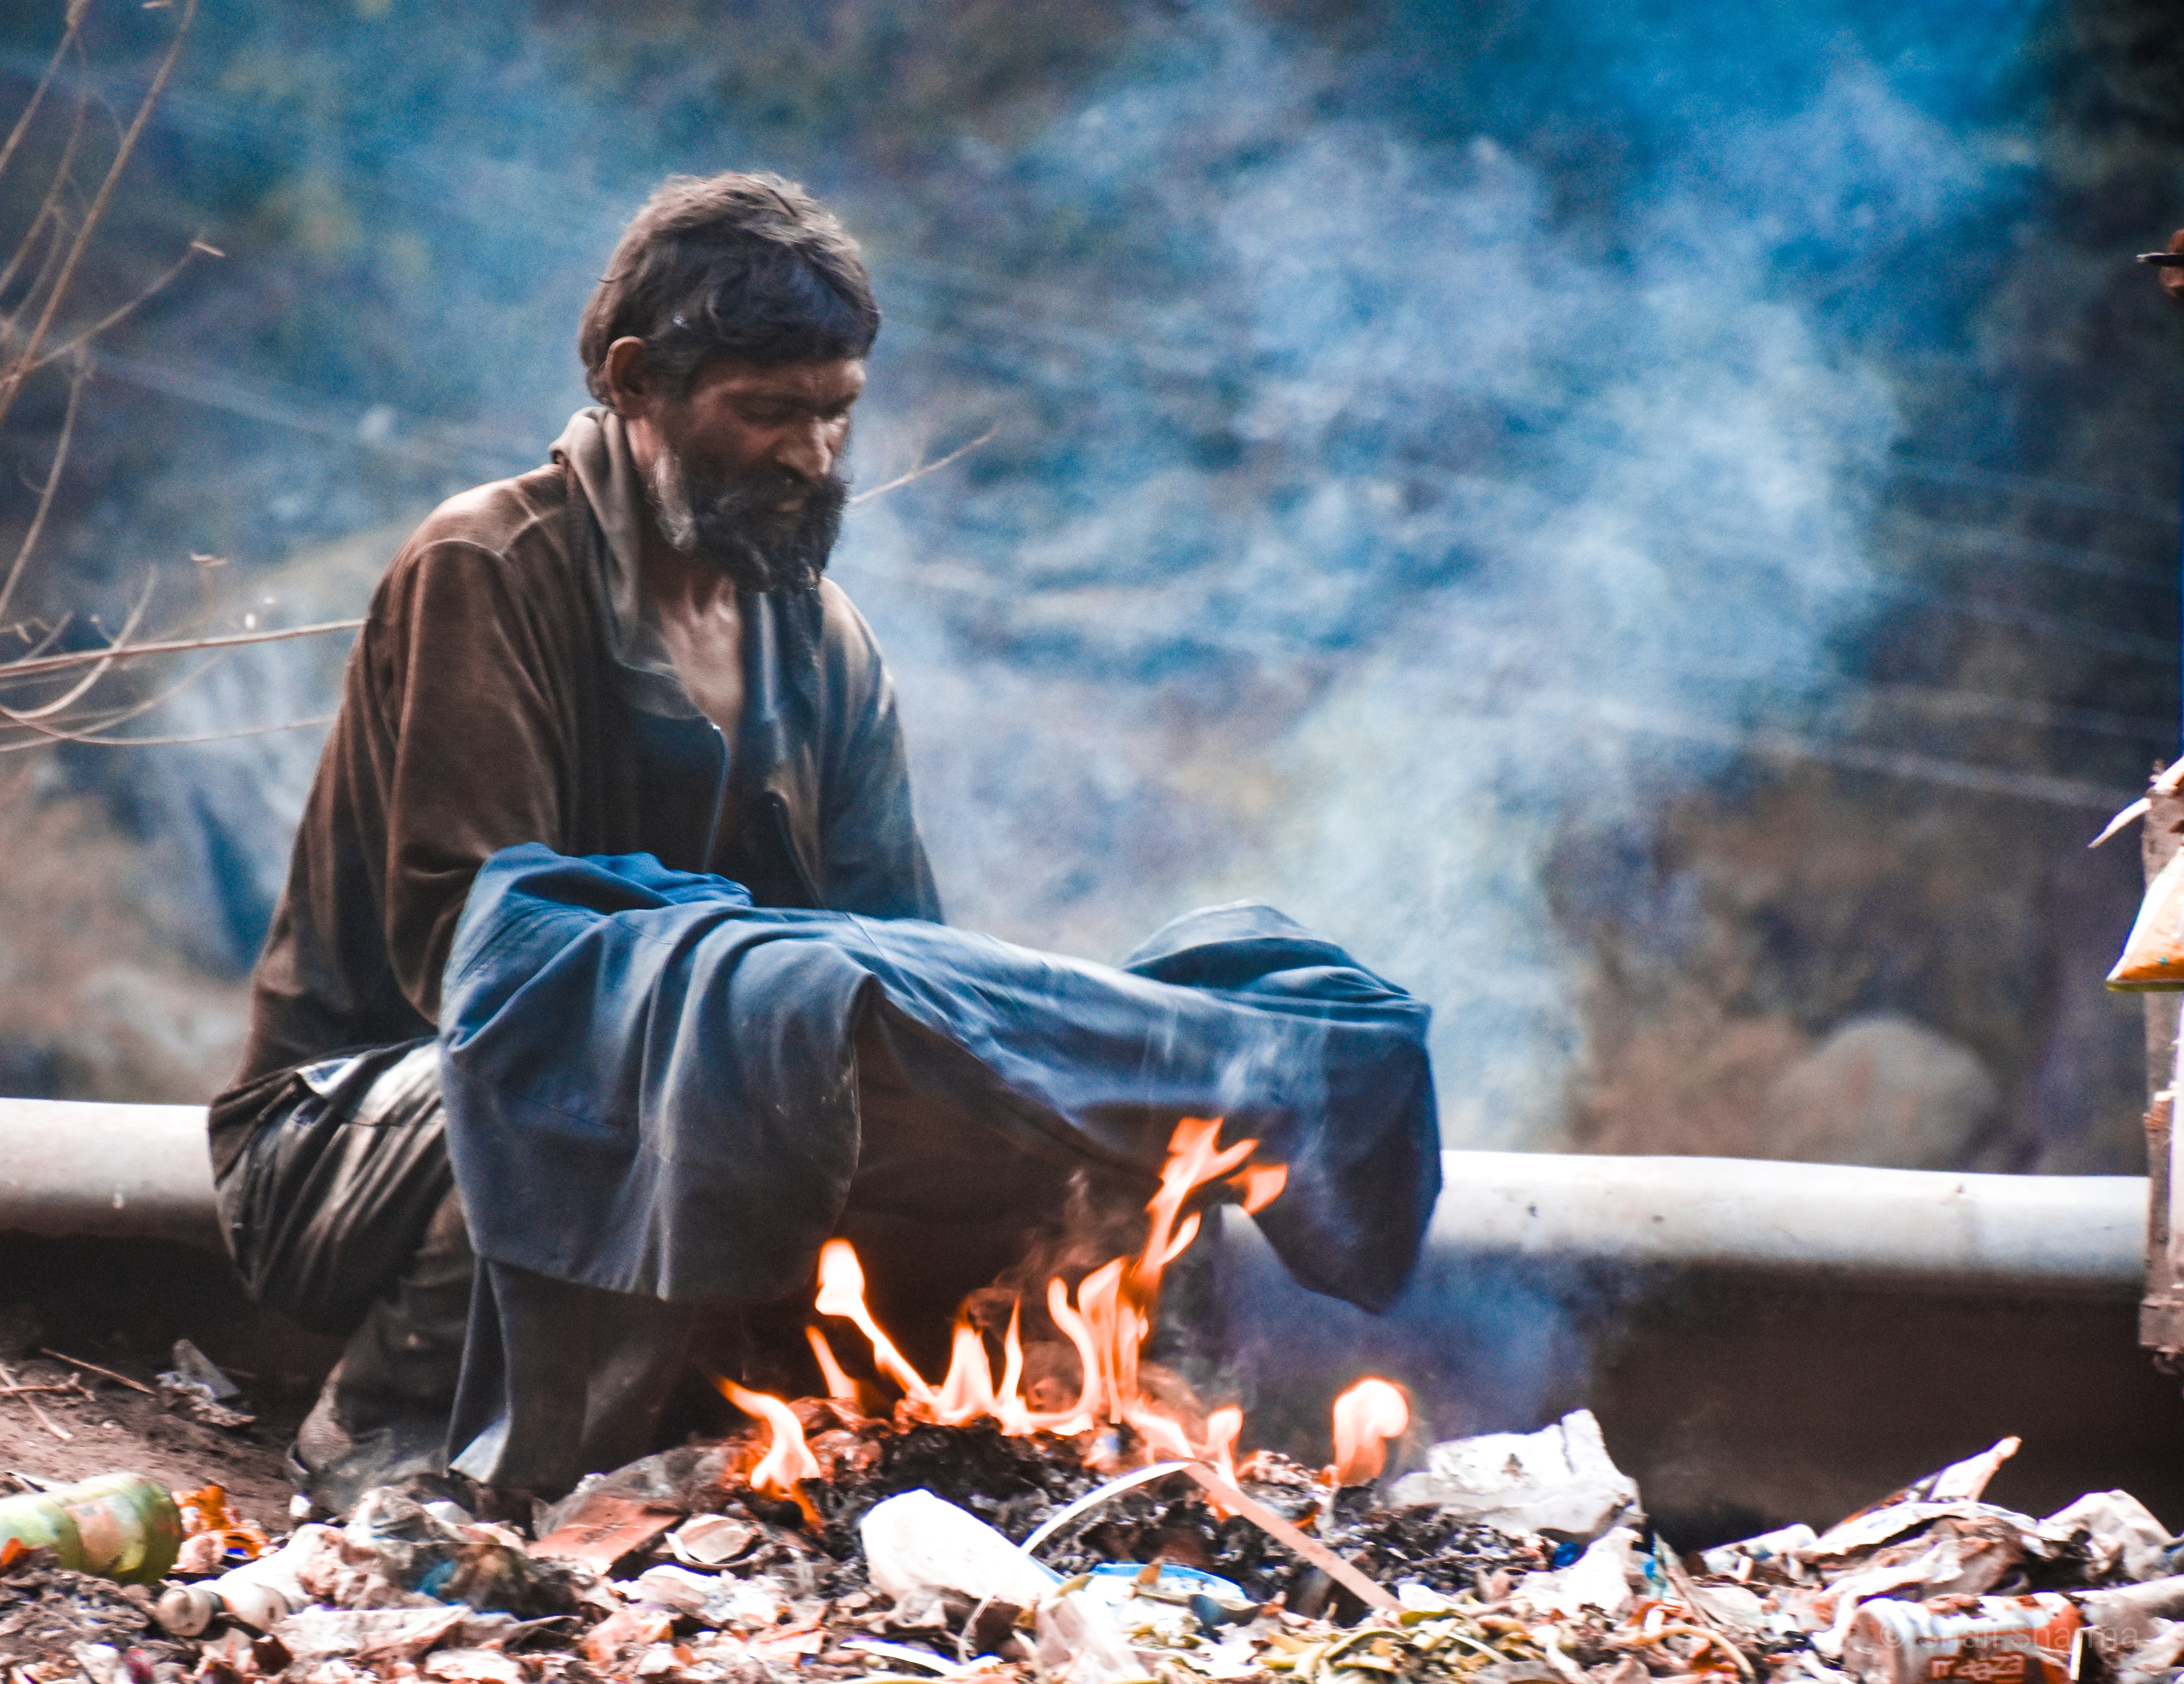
column 93, row 1367
column 54, row 663
column 50, row 249
column 11, row 382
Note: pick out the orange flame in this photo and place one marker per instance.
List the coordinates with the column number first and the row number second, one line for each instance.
column 841, row 1293
column 1366, row 1417
column 1116, row 1300
column 839, row 1386
column 788, row 1458
column 1222, row 1428
column 1261, row 1184
column 1074, row 1328
column 1012, row 1365
column 968, row 1391
column 1107, row 1323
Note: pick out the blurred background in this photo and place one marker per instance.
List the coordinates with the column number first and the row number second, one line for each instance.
column 1655, row 524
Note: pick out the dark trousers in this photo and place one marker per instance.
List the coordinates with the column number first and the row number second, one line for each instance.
column 340, row 1213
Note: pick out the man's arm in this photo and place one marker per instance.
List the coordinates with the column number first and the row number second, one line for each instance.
column 466, row 679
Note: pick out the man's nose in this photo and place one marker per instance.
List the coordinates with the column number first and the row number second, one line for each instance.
column 808, row 451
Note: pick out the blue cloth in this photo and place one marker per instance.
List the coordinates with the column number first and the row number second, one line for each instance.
column 652, row 1085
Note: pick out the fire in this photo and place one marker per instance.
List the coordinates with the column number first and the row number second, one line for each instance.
column 839, row 1386
column 1222, row 1428
column 1366, row 1417
column 968, row 1391
column 1107, row 1319
column 841, row 1293
column 789, row 1460
column 1261, row 1184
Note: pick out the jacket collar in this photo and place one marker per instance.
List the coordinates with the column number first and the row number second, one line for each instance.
column 594, row 447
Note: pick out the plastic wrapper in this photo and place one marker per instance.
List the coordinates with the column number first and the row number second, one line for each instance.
column 1559, row 1480
column 2153, row 954
column 918, row 1541
column 2120, row 1535
column 1605, row 1577
column 1078, row 1642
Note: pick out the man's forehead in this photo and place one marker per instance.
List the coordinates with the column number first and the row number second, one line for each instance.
column 821, row 384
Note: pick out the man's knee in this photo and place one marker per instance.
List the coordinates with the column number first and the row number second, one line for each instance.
column 343, row 1189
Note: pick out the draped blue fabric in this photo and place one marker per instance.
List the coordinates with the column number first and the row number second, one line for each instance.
column 652, row 1085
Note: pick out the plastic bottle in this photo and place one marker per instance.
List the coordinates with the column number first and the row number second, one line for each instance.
column 1982, row 1640
column 189, row 1610
column 120, row 1526
column 259, row 1594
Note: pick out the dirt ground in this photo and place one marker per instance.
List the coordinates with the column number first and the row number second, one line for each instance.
column 122, row 1306
column 120, row 1431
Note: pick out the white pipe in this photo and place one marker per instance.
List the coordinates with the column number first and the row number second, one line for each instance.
column 140, row 1172
column 1817, row 1220
column 133, row 1172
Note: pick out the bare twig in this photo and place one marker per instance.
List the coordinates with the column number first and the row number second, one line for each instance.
column 51, row 248
column 55, row 247
column 167, row 741
column 44, row 1420
column 107, row 1374
column 121, row 312
column 23, row 628
column 925, row 468
column 45, row 496
column 49, row 221
column 53, row 663
column 1342, row 1572
column 37, row 98
column 128, row 630
column 81, row 731
column 11, row 383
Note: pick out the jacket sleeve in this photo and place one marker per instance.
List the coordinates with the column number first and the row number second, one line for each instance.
column 874, row 858
column 460, row 666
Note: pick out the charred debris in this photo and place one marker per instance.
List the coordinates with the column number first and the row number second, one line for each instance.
column 922, row 1551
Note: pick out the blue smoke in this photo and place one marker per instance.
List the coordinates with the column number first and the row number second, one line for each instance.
column 1412, row 446
column 1422, row 521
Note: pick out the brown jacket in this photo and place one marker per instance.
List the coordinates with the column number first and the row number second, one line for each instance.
column 510, row 686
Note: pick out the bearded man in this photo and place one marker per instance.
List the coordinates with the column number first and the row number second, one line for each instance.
column 608, row 980
column 629, row 650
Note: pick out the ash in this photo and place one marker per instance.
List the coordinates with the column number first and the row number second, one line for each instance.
column 1015, row 1484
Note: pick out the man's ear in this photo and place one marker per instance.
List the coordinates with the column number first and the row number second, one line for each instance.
column 629, row 380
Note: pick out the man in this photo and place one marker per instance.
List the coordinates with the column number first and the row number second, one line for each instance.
column 630, row 650
column 608, row 982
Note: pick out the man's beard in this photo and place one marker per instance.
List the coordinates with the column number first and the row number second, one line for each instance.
column 734, row 522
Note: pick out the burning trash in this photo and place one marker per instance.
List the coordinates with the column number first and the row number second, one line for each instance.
column 1055, row 1572
column 1039, row 1522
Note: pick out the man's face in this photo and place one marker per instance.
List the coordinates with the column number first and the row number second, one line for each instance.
column 746, row 468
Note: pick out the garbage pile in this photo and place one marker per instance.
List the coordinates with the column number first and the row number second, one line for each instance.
column 927, row 1551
